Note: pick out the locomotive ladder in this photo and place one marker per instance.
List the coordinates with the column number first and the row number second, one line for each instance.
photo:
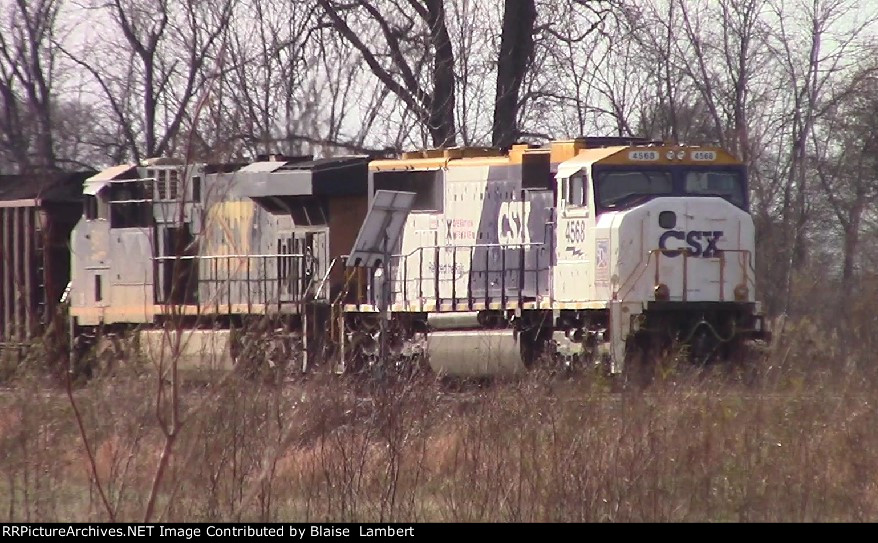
column 313, row 326
column 336, row 316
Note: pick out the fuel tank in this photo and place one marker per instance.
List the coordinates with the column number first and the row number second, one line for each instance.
column 458, row 345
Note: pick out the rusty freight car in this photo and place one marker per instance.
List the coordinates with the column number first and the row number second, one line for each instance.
column 37, row 214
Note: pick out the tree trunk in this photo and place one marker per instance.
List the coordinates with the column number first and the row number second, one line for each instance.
column 516, row 52
column 851, row 243
column 442, row 103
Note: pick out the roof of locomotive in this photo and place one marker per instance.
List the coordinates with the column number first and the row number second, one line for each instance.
column 327, row 163
column 557, row 151
column 457, row 157
column 665, row 155
column 336, row 176
column 656, row 155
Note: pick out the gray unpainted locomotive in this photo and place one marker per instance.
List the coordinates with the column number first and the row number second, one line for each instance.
column 209, row 245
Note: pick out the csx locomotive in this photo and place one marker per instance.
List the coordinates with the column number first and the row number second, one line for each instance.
column 592, row 251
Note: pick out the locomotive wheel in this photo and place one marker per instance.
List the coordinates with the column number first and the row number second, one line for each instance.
column 640, row 364
column 537, row 353
column 108, row 355
column 96, row 354
column 261, row 349
column 82, row 354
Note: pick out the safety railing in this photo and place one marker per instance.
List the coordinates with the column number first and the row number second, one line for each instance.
column 236, row 283
column 459, row 275
column 745, row 260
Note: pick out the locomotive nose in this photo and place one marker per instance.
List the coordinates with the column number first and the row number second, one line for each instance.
column 694, row 249
column 698, row 228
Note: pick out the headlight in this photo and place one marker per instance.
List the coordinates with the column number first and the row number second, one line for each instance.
column 662, row 292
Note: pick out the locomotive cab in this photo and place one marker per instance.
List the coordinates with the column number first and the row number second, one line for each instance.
column 661, row 233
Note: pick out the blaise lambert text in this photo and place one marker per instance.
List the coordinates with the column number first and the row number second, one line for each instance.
column 363, row 531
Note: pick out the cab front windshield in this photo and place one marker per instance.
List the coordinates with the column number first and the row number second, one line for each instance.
column 621, row 189
column 624, row 188
column 725, row 184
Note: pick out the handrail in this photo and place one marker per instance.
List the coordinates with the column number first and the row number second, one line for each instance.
column 410, row 283
column 638, row 272
column 217, row 257
column 326, row 276
column 479, row 245
column 347, row 283
column 228, row 280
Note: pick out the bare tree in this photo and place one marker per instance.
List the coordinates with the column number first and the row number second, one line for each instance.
column 152, row 72
column 679, row 102
column 810, row 69
column 398, row 40
column 558, row 93
column 846, row 162
column 265, row 67
column 27, row 62
column 513, row 60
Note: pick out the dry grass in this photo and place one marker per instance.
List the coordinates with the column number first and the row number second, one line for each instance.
column 799, row 445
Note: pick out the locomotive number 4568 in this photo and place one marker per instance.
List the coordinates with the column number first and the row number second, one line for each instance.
column 575, row 231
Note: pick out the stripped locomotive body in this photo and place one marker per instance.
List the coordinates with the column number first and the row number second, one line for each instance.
column 207, row 248
column 592, row 251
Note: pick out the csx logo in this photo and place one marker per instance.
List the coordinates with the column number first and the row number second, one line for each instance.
column 695, row 242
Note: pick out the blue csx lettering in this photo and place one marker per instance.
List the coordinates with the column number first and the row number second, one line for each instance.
column 693, row 239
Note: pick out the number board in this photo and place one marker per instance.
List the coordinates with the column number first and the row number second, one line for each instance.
column 704, row 156
column 643, row 155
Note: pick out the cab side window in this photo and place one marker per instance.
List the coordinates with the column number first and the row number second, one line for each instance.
column 576, row 195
